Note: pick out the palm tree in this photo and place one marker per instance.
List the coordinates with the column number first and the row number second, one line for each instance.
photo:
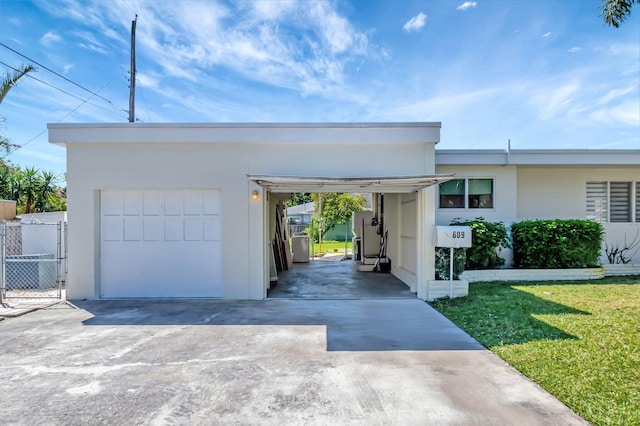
column 616, row 11
column 8, row 81
column 46, row 189
column 30, row 188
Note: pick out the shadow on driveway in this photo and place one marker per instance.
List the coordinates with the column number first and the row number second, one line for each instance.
column 351, row 325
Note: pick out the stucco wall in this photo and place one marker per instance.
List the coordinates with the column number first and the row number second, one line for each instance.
column 560, row 193
column 173, row 164
column 541, row 192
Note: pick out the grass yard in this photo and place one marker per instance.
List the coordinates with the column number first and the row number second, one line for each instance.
column 580, row 340
column 329, row 246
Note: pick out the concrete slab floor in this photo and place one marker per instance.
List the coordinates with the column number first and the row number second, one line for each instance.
column 336, row 280
column 272, row 362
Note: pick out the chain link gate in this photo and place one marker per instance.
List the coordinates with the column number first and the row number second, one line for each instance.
column 33, row 260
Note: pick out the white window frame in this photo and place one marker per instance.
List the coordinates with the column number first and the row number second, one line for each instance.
column 634, row 201
column 466, row 195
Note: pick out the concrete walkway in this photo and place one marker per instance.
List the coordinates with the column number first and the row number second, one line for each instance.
column 336, row 279
column 274, row 362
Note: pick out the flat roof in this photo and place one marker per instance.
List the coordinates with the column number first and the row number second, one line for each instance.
column 538, row 157
column 326, row 133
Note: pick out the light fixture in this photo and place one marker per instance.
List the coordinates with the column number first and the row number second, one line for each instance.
column 254, row 194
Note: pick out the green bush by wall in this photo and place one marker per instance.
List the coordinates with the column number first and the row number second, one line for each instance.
column 487, row 240
column 554, row 244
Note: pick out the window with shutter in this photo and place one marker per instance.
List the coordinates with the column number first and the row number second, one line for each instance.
column 638, row 202
column 597, row 201
column 620, row 199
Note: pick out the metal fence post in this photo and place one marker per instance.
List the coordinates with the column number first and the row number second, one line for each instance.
column 3, row 270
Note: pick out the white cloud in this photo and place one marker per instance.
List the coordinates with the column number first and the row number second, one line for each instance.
column 547, row 34
column 574, row 49
column 618, row 93
column 50, row 38
column 415, row 23
column 626, row 112
column 552, row 101
column 466, row 5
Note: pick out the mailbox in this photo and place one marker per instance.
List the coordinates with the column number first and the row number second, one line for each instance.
column 452, row 236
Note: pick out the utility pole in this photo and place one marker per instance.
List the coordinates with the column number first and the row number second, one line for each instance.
column 132, row 81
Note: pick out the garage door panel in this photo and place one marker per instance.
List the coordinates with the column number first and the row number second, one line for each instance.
column 193, row 203
column 153, row 202
column 193, row 229
column 133, row 228
column 153, row 229
column 112, row 228
column 173, row 204
column 111, row 204
column 157, row 251
column 173, row 229
column 211, row 202
column 133, row 203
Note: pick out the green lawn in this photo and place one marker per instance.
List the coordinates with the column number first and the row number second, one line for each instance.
column 330, row 246
column 580, row 340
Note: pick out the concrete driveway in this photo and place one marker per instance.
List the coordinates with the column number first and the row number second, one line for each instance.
column 315, row 362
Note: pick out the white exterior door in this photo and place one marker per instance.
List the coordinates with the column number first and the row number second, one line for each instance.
column 160, row 243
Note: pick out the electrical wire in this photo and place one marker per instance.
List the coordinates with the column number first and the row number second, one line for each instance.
column 84, row 101
column 64, row 91
column 56, row 73
column 144, row 100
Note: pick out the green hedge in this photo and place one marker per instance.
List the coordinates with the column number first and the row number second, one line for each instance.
column 487, row 240
column 554, row 244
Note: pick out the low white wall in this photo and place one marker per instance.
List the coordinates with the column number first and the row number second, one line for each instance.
column 620, row 269
column 533, row 274
column 439, row 289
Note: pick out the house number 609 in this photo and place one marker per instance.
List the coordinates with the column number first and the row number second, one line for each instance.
column 458, row 234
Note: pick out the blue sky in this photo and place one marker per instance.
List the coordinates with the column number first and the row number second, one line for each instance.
column 543, row 73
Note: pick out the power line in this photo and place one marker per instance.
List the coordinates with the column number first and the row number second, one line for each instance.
column 63, row 91
column 84, row 101
column 54, row 72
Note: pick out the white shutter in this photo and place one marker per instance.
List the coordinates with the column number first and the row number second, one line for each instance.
column 637, row 202
column 620, row 199
column 597, row 201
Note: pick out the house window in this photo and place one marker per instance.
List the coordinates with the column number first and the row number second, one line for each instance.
column 471, row 193
column 615, row 202
column 452, row 194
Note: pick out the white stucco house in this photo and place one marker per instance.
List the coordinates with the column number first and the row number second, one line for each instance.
column 188, row 210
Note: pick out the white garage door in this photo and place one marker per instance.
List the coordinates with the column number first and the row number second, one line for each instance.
column 160, row 243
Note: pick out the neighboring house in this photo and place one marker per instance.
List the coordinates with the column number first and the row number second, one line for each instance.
column 189, row 210
column 299, row 217
column 510, row 186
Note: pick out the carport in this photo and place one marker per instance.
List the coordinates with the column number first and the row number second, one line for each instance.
column 396, row 196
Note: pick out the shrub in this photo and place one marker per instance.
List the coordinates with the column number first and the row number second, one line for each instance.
column 552, row 244
column 487, row 239
column 443, row 256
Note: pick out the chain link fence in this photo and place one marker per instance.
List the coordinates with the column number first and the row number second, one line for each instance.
column 32, row 257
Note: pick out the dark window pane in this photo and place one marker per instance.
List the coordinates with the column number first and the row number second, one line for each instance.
column 480, row 193
column 451, row 201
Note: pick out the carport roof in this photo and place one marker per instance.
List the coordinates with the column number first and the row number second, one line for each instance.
column 394, row 184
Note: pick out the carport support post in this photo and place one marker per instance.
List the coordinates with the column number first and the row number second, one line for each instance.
column 425, row 250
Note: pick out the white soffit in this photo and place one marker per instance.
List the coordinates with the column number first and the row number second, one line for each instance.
column 399, row 184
